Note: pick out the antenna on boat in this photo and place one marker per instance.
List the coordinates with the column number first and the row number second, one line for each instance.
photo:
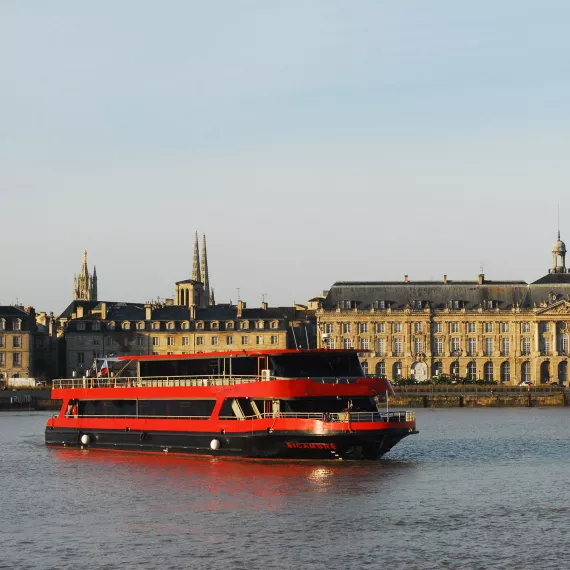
column 307, row 337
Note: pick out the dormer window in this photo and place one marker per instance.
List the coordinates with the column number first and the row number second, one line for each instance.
column 215, row 325
column 140, row 326
column 488, row 304
column 417, row 305
column 185, row 325
column 200, row 325
column 96, row 326
column 229, row 325
column 126, row 326
column 454, row 304
column 80, row 326
column 155, row 326
column 259, row 325
column 170, row 326
column 2, row 324
column 244, row 325
column 381, row 304
column 274, row 324
column 347, row 304
column 17, row 324
column 111, row 326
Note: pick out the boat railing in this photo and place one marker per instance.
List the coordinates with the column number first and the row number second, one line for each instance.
column 183, row 381
column 336, row 417
column 156, row 381
column 329, row 417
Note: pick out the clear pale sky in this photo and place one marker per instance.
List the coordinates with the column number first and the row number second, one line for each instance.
column 312, row 141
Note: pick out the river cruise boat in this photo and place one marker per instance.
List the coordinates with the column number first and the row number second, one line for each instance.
column 271, row 404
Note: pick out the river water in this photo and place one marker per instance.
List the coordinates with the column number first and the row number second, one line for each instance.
column 475, row 489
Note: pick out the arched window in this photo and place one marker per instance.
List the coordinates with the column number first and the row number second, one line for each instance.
column 545, row 372
column 472, row 371
column 506, row 372
column 397, row 370
column 381, row 369
column 437, row 368
column 525, row 371
column 454, row 369
column 563, row 372
column 488, row 371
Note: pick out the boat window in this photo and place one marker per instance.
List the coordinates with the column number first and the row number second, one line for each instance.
column 316, row 364
column 148, row 408
column 236, row 408
column 107, row 408
column 322, row 405
column 246, row 366
column 176, row 408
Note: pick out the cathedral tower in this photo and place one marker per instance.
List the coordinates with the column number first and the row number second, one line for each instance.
column 85, row 284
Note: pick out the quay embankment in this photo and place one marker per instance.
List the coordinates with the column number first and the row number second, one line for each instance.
column 427, row 396
column 18, row 400
column 470, row 396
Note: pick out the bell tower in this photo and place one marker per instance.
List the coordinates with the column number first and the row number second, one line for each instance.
column 559, row 256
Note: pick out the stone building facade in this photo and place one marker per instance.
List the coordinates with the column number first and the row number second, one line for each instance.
column 505, row 331
column 17, row 326
column 192, row 322
column 108, row 329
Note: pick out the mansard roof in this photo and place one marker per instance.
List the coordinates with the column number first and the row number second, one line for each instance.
column 471, row 294
column 554, row 278
column 119, row 311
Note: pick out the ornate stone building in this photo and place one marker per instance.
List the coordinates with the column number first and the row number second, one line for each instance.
column 85, row 284
column 507, row 331
column 191, row 322
column 17, row 327
column 105, row 329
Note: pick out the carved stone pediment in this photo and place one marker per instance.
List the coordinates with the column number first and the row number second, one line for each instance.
column 560, row 308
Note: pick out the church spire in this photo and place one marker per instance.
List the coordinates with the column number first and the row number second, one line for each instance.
column 85, row 285
column 196, row 262
column 204, row 268
column 94, row 284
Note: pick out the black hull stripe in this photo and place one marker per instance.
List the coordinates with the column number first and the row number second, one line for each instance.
column 293, row 445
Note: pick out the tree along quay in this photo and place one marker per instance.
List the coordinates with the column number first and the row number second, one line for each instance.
column 471, row 396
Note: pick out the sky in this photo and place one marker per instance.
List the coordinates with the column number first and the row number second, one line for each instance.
column 311, row 141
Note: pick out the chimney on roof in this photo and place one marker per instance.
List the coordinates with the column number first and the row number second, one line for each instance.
column 193, row 312
column 103, row 311
column 481, row 278
column 147, row 311
column 445, row 279
column 264, row 305
column 79, row 311
column 405, row 279
column 240, row 308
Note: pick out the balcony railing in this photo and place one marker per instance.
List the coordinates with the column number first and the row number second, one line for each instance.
column 185, row 381
column 332, row 417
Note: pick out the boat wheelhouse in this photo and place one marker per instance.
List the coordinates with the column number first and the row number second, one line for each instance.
column 274, row 404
